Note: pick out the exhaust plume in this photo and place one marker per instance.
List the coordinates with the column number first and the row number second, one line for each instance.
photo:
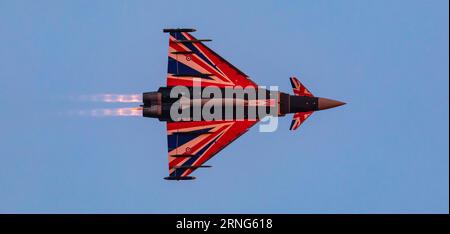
column 110, row 112
column 112, row 98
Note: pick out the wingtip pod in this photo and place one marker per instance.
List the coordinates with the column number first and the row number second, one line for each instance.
column 192, row 167
column 169, row 30
column 179, row 178
column 299, row 89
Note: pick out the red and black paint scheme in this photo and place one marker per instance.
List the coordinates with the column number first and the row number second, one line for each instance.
column 192, row 142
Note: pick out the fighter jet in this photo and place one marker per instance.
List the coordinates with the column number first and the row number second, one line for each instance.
column 193, row 70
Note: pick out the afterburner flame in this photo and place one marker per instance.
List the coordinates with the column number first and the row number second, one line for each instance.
column 113, row 98
column 110, row 112
column 126, row 98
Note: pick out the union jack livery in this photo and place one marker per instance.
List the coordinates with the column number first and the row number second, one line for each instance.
column 208, row 103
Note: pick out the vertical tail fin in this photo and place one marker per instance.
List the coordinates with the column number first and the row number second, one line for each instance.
column 299, row 90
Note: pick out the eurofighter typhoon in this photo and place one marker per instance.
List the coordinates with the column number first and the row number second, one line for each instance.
column 208, row 103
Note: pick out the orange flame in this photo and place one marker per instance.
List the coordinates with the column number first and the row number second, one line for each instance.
column 133, row 111
column 124, row 98
column 117, row 98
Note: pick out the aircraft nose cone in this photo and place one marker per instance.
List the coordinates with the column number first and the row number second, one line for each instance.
column 325, row 103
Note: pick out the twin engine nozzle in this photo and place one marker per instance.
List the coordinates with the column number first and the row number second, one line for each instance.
column 152, row 104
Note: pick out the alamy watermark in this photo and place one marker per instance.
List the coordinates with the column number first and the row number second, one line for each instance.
column 237, row 103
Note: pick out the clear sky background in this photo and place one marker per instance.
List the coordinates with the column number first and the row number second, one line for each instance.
column 386, row 151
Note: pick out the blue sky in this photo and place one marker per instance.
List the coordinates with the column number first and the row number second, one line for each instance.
column 386, row 151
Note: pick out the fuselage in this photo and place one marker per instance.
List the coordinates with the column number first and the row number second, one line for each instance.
column 200, row 104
